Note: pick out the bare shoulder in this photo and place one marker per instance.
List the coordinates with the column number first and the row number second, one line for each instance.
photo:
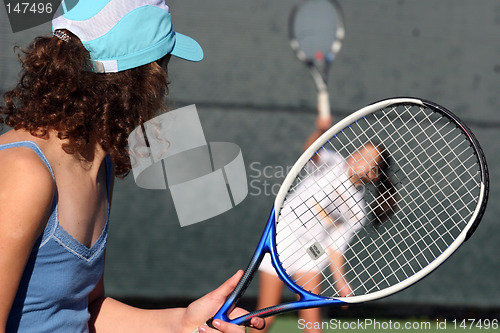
column 26, row 191
column 22, row 164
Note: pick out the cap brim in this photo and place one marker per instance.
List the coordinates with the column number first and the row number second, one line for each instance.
column 187, row 48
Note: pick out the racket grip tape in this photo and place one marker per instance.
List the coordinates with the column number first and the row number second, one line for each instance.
column 209, row 324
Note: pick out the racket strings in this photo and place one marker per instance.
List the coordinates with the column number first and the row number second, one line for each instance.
column 434, row 177
column 430, row 158
column 315, row 214
column 343, row 216
column 319, row 212
column 301, row 230
column 412, row 240
column 446, row 156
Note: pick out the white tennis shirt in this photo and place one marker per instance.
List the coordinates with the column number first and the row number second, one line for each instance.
column 319, row 217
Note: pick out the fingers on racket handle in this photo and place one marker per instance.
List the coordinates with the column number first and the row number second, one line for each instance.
column 209, row 324
column 323, row 104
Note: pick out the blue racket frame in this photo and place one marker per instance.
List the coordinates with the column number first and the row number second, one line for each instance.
column 267, row 244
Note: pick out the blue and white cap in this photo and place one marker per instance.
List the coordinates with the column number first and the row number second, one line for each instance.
column 123, row 34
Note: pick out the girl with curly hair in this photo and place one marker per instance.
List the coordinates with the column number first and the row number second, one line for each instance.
column 81, row 92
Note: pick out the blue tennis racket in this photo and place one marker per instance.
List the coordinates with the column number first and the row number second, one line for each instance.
column 421, row 200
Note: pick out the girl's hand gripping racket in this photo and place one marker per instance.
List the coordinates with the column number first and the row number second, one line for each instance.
column 422, row 196
column 316, row 31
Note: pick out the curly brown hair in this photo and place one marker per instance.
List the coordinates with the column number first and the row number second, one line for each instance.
column 58, row 91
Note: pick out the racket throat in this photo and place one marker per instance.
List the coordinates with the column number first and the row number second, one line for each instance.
column 250, row 271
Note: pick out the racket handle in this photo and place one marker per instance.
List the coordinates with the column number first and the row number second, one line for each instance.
column 209, row 324
column 323, row 104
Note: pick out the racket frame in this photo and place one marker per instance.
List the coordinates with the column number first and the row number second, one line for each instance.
column 267, row 243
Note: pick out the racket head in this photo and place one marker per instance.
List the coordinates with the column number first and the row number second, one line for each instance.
column 316, row 31
column 439, row 192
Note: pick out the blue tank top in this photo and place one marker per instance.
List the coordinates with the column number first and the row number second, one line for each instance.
column 59, row 276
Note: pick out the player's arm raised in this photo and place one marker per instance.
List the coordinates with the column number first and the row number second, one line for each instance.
column 26, row 194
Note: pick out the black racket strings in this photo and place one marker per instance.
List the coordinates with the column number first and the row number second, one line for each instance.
column 395, row 253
